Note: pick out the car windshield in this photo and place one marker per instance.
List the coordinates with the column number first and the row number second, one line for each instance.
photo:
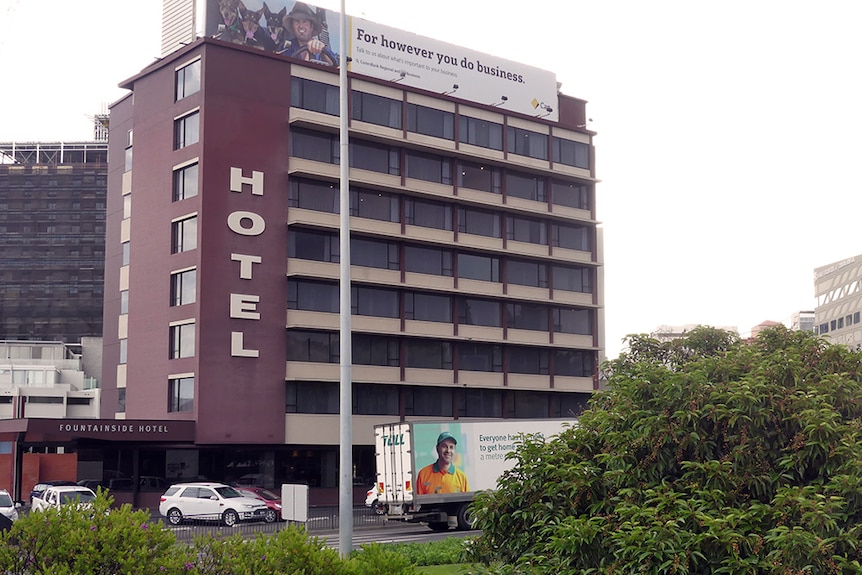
column 268, row 495
column 5, row 500
column 228, row 492
column 76, row 496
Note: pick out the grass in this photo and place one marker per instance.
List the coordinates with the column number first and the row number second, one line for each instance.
column 451, row 569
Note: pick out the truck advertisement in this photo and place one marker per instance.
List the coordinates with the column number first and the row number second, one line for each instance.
column 430, row 471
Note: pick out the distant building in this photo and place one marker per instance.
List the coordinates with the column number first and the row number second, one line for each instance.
column 802, row 321
column 838, row 291
column 52, row 240
column 671, row 332
column 41, row 379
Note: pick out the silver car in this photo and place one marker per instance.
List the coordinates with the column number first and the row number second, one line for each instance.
column 8, row 507
column 211, row 502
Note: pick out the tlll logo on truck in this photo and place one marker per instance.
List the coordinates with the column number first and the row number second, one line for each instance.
column 390, row 440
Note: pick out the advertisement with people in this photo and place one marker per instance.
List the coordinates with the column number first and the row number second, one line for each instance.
column 299, row 30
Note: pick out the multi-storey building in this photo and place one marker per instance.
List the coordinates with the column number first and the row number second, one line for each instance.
column 476, row 260
column 838, row 293
column 52, row 240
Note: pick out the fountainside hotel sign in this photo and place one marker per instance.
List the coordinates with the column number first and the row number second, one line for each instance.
column 53, row 430
column 306, row 32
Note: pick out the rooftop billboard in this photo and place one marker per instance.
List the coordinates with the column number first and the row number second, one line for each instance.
column 303, row 31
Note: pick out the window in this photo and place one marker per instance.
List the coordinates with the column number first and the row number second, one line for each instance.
column 188, row 80
column 312, row 397
column 484, row 268
column 527, row 316
column 578, row 321
column 428, row 214
column 312, row 296
column 374, row 253
column 187, row 130
column 182, row 341
column 482, row 403
column 856, row 317
column 479, row 222
column 432, row 261
column 375, row 109
column 128, row 156
column 375, row 350
column 375, row 399
column 315, row 146
column 571, row 153
column 429, row 354
column 526, row 143
column 529, row 360
column 528, row 404
column 127, row 207
column 840, row 322
column 181, row 394
column 479, row 177
column 573, row 363
column 375, row 157
column 121, row 400
column 313, row 346
column 124, row 351
column 377, row 302
column 526, row 230
column 186, row 182
column 313, row 245
column 184, row 287
column 525, row 186
column 479, row 357
column 314, row 96
column 429, row 167
column 428, row 307
column 427, row 401
column 573, row 279
column 572, row 237
column 479, row 312
column 430, row 121
column 374, row 205
column 526, row 273
column 124, row 301
column 184, row 235
column 570, row 194
column 480, row 133
column 313, row 195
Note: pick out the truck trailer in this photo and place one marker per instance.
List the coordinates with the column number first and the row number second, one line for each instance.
column 430, row 471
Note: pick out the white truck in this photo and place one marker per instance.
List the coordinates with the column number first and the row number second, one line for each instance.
column 459, row 457
column 54, row 497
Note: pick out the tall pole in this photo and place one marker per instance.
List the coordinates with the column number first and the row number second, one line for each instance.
column 345, row 478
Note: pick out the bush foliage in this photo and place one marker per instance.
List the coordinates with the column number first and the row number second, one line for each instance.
column 704, row 455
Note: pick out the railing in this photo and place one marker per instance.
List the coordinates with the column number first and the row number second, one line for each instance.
column 320, row 520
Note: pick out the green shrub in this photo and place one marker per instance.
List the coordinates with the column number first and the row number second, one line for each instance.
column 377, row 559
column 89, row 541
column 441, row 552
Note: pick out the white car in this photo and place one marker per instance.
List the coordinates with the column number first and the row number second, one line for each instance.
column 54, row 497
column 371, row 501
column 8, row 507
column 209, row 501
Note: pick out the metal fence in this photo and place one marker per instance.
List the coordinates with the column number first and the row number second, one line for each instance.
column 320, row 520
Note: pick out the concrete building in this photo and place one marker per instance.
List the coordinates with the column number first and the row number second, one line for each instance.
column 477, row 286
column 838, row 293
column 52, row 240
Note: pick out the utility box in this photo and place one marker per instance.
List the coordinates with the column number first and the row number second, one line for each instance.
column 294, row 502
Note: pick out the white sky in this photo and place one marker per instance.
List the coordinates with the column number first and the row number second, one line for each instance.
column 729, row 134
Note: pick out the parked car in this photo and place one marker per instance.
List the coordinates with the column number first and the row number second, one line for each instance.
column 56, row 496
column 372, row 502
column 209, row 501
column 40, row 488
column 8, row 507
column 273, row 501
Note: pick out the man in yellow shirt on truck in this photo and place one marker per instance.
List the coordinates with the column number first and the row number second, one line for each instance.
column 442, row 476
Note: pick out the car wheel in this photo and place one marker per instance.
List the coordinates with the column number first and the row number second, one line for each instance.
column 230, row 518
column 270, row 516
column 175, row 516
column 379, row 508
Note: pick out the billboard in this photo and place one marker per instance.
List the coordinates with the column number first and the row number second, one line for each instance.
column 300, row 30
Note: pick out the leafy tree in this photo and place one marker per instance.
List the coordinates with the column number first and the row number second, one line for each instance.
column 704, row 455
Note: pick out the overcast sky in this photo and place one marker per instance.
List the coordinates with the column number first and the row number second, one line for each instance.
column 728, row 138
